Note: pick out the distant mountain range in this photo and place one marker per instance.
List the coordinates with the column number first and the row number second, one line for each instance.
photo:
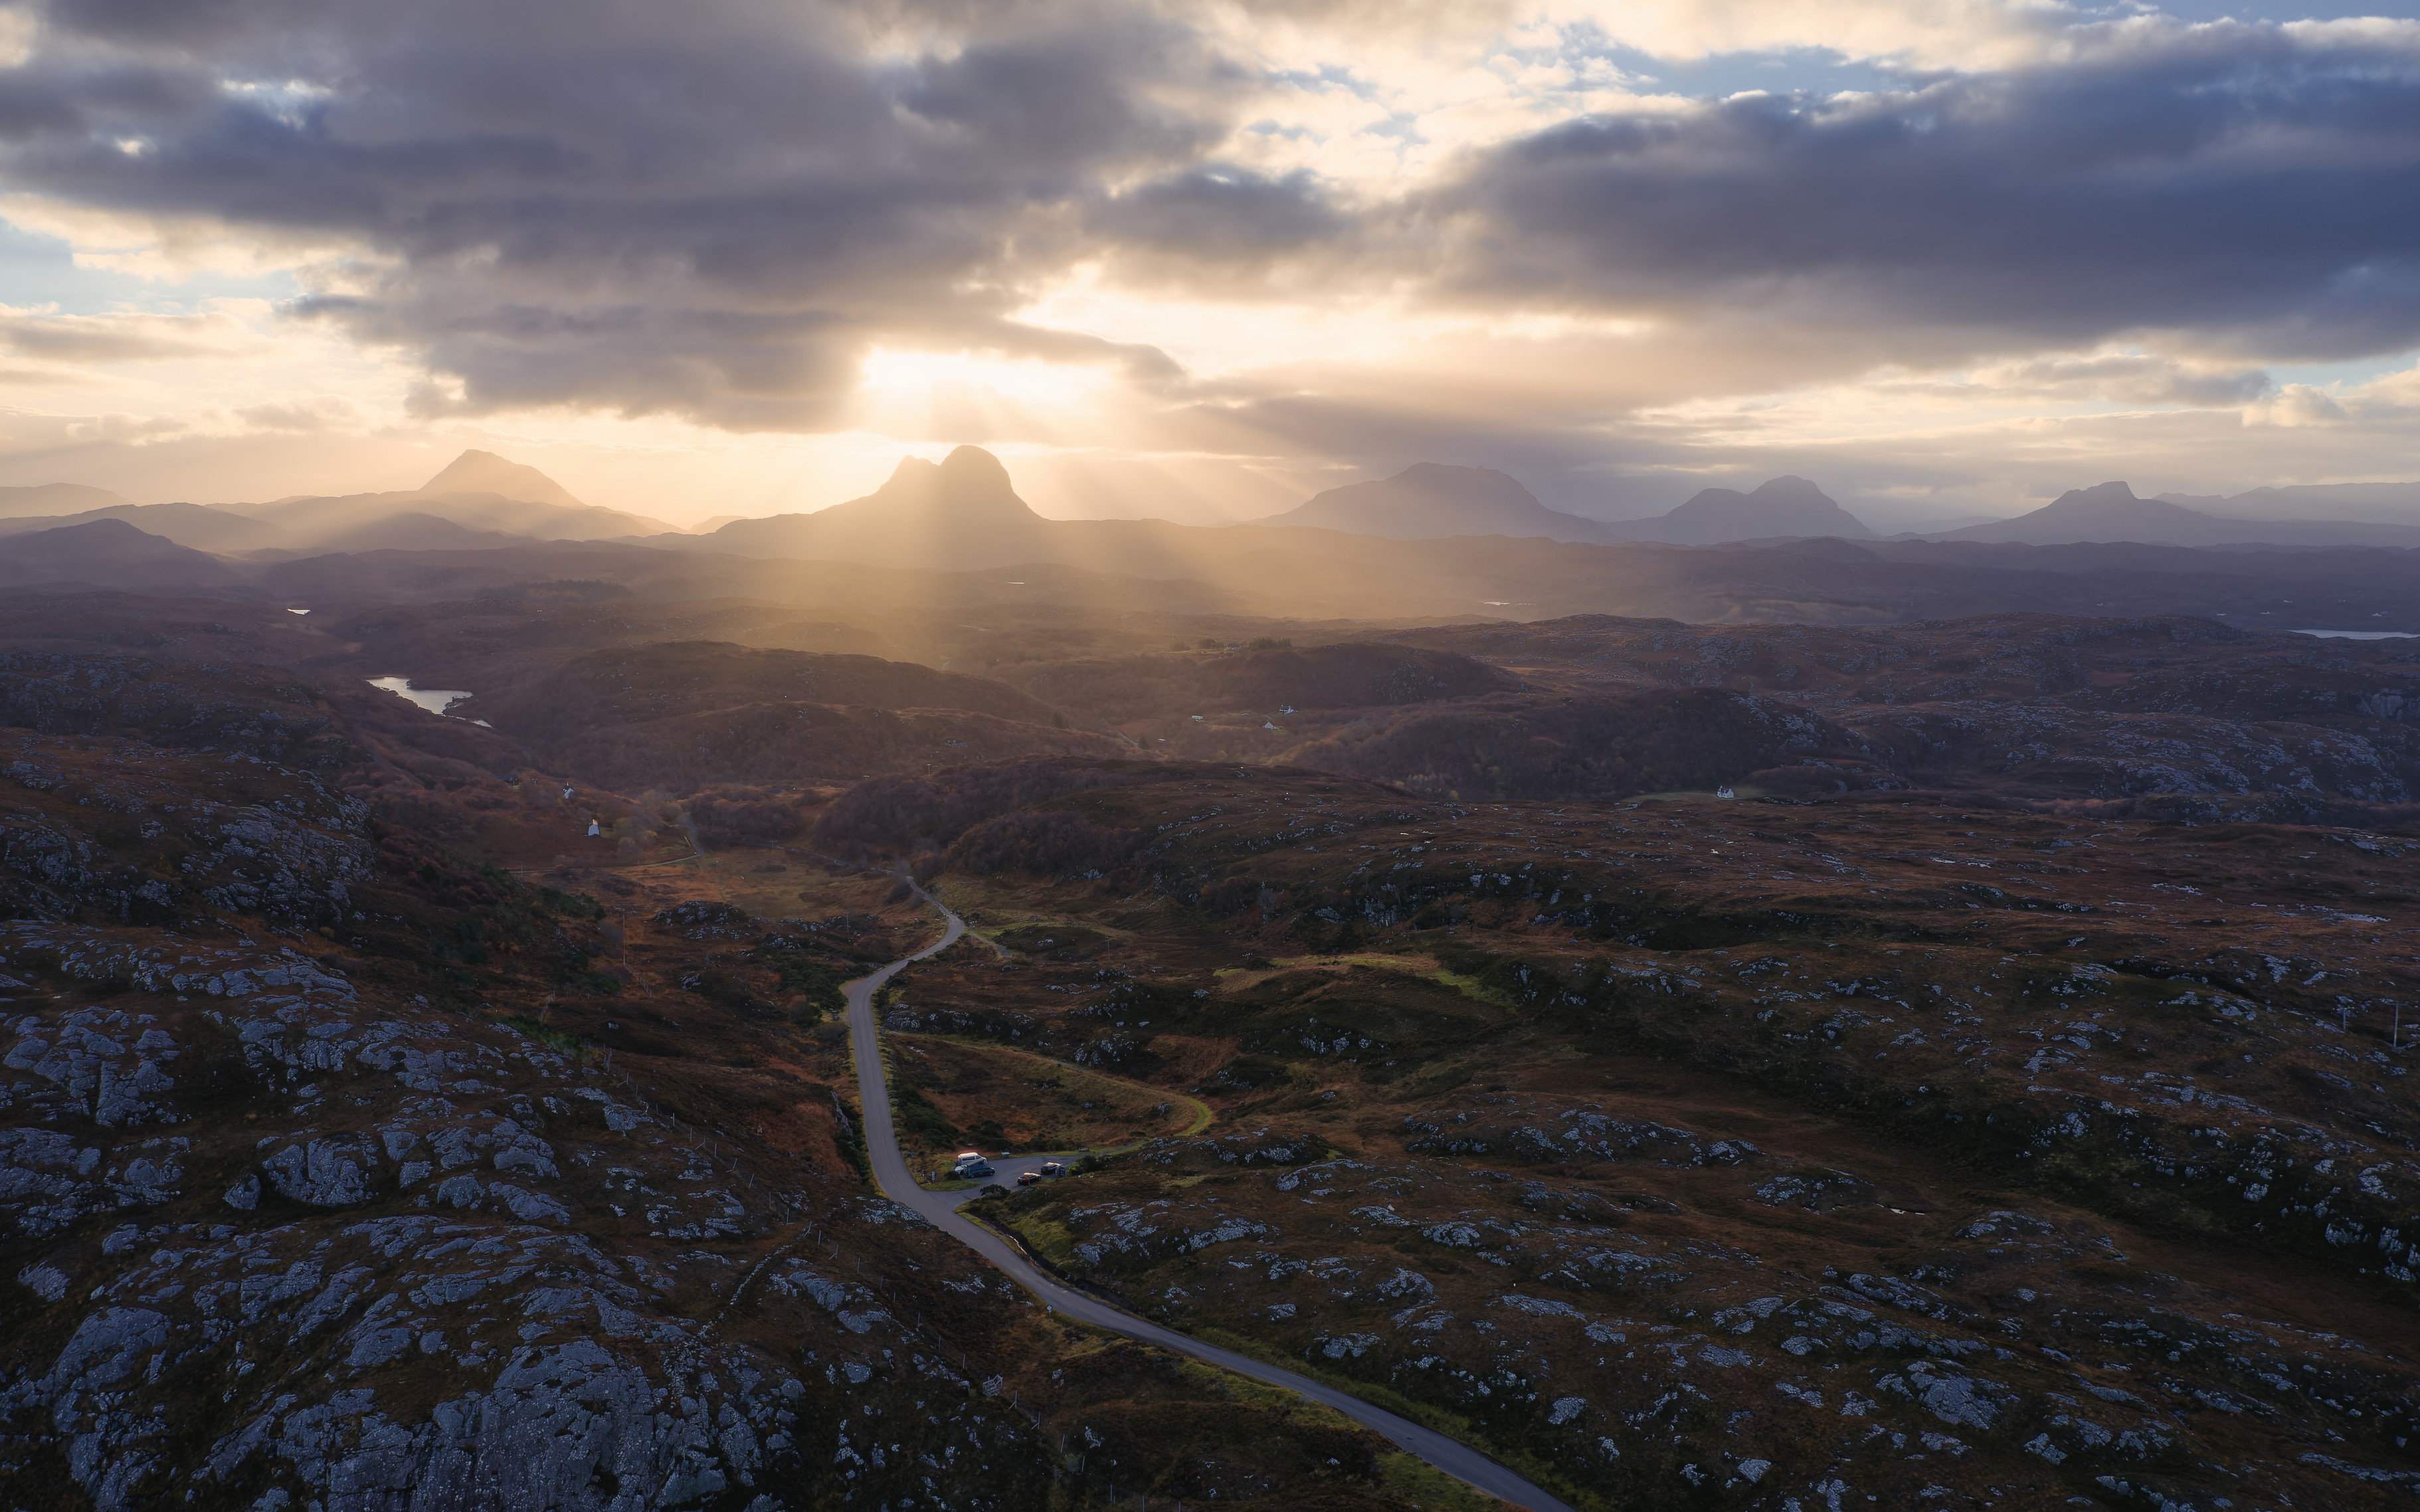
column 478, row 497
column 1431, row 541
column 2112, row 512
column 2373, row 503
column 478, row 500
column 1431, row 501
column 58, row 499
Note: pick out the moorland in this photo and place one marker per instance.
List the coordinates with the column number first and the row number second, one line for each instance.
column 1765, row 1024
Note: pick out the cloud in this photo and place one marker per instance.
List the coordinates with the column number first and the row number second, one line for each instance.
column 1930, row 34
column 49, row 335
column 2119, row 378
column 2297, row 405
column 40, row 378
column 326, row 412
column 126, row 430
column 1219, row 215
column 2255, row 186
column 707, row 210
column 716, row 211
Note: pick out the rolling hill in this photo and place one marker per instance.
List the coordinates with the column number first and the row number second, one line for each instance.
column 108, row 552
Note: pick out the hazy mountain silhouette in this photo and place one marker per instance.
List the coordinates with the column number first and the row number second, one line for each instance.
column 412, row 530
column 108, row 554
column 959, row 512
column 1431, row 500
column 2112, row 512
column 478, row 492
column 53, row 499
column 196, row 525
column 484, row 472
column 1784, row 506
column 2336, row 503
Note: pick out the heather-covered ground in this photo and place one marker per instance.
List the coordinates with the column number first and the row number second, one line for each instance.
column 1999, row 1101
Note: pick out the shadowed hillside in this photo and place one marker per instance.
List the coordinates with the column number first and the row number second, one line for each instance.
column 683, row 715
column 1259, row 678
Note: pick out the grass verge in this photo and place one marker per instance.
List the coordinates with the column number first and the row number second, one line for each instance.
column 1451, row 1425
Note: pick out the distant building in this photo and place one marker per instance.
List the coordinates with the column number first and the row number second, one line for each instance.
column 1725, row 792
column 594, row 829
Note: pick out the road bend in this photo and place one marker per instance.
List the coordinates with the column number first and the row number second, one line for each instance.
column 892, row 1175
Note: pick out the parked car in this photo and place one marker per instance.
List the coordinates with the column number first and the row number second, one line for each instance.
column 1027, row 1178
column 1054, row 1168
column 970, row 1165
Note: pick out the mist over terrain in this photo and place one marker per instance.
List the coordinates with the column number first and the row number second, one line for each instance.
column 1097, row 755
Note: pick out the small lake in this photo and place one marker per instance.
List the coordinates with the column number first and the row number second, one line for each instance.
column 2362, row 634
column 436, row 700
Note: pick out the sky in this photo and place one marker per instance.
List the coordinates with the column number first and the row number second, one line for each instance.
column 1947, row 257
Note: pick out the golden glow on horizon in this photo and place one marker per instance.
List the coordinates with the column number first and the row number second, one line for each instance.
column 936, row 375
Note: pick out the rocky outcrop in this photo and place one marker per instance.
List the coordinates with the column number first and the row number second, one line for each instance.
column 119, row 830
column 431, row 1262
column 227, row 707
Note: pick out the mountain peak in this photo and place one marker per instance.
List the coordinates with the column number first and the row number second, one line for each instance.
column 2108, row 496
column 968, row 482
column 972, row 466
column 1784, row 506
column 1789, row 488
column 1430, row 499
column 2103, row 512
column 484, row 472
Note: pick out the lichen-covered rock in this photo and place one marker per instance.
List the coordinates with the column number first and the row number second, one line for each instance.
column 286, row 1310
column 115, row 829
column 324, row 1173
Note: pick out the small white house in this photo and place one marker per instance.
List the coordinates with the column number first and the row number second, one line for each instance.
column 1725, row 792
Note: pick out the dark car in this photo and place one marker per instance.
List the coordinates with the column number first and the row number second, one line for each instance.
column 1027, row 1178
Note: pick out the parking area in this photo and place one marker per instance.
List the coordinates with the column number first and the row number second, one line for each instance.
column 1005, row 1169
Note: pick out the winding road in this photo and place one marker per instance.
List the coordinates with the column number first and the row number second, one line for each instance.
column 892, row 1175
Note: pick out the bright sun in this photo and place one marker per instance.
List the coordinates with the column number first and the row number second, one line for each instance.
column 969, row 376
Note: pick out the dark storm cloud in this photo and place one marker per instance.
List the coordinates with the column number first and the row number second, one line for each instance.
column 2235, row 182
column 705, row 209
column 1219, row 214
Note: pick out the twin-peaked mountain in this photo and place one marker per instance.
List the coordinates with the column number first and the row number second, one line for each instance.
column 959, row 512
column 1781, row 507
